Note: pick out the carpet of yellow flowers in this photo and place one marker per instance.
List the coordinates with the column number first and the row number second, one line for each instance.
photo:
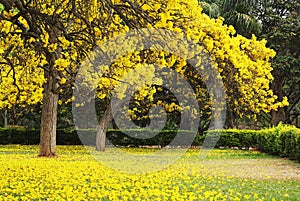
column 76, row 175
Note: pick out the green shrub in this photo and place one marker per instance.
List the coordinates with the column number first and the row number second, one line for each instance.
column 19, row 136
column 234, row 138
column 87, row 137
column 290, row 142
column 282, row 140
column 268, row 140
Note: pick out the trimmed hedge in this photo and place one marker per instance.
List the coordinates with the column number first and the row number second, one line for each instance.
column 234, row 138
column 19, row 136
column 282, row 140
column 115, row 137
column 139, row 138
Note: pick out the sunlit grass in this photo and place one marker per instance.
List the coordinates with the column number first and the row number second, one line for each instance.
column 77, row 175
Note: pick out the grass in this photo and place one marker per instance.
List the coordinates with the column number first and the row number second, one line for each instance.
column 76, row 175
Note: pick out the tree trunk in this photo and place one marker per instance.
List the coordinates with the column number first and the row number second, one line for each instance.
column 230, row 118
column 48, row 121
column 102, row 128
column 50, row 99
column 277, row 87
column 5, row 118
column 277, row 117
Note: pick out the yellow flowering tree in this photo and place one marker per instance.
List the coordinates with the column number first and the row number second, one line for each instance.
column 43, row 43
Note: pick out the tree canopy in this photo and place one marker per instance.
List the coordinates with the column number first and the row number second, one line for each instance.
column 43, row 45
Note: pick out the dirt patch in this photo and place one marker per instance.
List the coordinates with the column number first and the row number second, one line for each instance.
column 274, row 169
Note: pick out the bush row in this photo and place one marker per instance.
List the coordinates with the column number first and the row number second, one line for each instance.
column 134, row 138
column 281, row 140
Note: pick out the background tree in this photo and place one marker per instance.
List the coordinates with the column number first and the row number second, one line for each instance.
column 278, row 22
column 238, row 13
column 28, row 116
column 281, row 26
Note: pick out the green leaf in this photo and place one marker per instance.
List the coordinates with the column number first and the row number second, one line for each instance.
column 1, row 7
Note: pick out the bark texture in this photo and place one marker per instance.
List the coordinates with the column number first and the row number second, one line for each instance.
column 277, row 86
column 50, row 99
column 48, row 121
column 102, row 128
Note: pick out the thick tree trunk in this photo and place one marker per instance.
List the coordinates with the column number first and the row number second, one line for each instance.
column 277, row 117
column 102, row 128
column 5, row 118
column 230, row 118
column 277, row 87
column 48, row 121
column 50, row 99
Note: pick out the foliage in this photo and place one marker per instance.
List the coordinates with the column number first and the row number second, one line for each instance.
column 70, row 137
column 233, row 138
column 281, row 140
column 278, row 22
column 290, row 142
column 54, row 36
column 28, row 116
column 281, row 27
column 18, row 136
column 238, row 13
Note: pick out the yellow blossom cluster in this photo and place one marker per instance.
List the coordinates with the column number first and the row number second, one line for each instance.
column 21, row 82
column 243, row 63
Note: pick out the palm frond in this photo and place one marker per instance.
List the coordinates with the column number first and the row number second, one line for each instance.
column 210, row 9
column 244, row 24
